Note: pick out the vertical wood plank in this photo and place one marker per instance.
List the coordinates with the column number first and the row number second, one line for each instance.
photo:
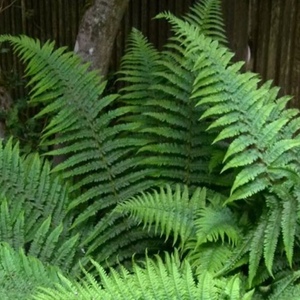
column 271, row 27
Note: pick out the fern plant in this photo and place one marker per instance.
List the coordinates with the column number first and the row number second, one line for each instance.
column 263, row 150
column 158, row 90
column 21, row 275
column 207, row 231
column 104, row 164
column 100, row 158
column 232, row 219
column 33, row 209
column 168, row 279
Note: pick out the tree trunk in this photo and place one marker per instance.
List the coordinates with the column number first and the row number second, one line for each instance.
column 97, row 32
column 96, row 36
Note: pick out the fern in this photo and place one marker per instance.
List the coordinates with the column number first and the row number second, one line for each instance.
column 21, row 275
column 284, row 287
column 206, row 16
column 171, row 213
column 216, row 223
column 209, row 257
column 33, row 208
column 125, row 152
column 198, row 221
column 157, row 279
column 235, row 97
column 100, row 159
column 159, row 91
column 263, row 135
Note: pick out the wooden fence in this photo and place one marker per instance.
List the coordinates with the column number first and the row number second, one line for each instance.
column 266, row 33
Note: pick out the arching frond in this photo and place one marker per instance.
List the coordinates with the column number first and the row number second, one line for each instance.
column 209, row 257
column 171, row 213
column 155, row 280
column 33, row 208
column 217, row 223
column 159, row 91
column 101, row 160
column 285, row 287
column 21, row 275
column 205, row 15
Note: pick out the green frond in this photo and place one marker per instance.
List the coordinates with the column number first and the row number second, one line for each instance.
column 205, row 15
column 153, row 279
column 238, row 256
column 33, row 207
column 209, row 257
column 156, row 280
column 289, row 220
column 291, row 292
column 171, row 213
column 138, row 67
column 159, row 91
column 208, row 16
column 21, row 275
column 234, row 289
column 256, row 249
column 238, row 108
column 272, row 232
column 285, row 288
column 216, row 223
column 100, row 160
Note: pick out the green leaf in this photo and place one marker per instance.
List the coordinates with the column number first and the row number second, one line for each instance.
column 256, row 249
column 289, row 224
column 248, row 174
column 272, row 233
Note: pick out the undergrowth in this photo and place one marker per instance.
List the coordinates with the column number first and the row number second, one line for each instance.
column 183, row 185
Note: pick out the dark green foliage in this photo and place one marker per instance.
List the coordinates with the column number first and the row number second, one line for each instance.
column 193, row 157
column 158, row 90
column 20, row 124
column 33, row 208
column 20, row 276
column 100, row 159
column 168, row 279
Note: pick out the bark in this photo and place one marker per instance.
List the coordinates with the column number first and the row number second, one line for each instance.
column 95, row 40
column 97, row 32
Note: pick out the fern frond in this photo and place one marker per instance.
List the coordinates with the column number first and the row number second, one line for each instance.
column 156, row 279
column 209, row 257
column 256, row 250
column 100, row 159
column 205, row 15
column 21, row 275
column 159, row 92
column 33, row 207
column 137, row 68
column 171, row 213
column 214, row 224
column 239, row 108
column 285, row 288
column 272, row 232
column 289, row 220
column 291, row 292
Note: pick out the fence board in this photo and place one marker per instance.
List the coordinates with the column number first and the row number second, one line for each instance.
column 270, row 27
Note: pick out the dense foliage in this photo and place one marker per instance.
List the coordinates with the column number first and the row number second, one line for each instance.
column 184, row 185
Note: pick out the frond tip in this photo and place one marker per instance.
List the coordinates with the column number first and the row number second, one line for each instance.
column 157, row 279
column 170, row 212
column 21, row 275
